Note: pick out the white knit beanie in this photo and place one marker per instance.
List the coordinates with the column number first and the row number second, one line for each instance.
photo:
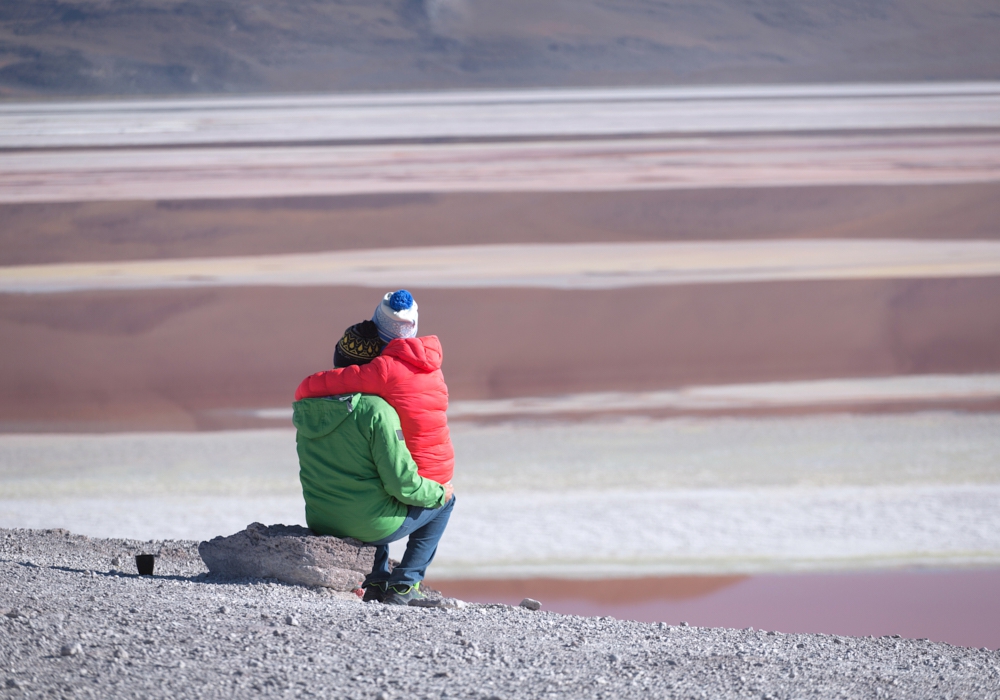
column 396, row 316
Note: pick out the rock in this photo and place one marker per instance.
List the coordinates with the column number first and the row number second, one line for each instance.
column 223, row 610
column 291, row 620
column 684, row 624
column 70, row 649
column 121, row 654
column 289, row 553
column 116, row 562
column 531, row 604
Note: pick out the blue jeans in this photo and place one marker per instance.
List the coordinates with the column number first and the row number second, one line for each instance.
column 425, row 527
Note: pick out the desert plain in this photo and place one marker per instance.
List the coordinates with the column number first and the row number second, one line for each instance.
column 728, row 336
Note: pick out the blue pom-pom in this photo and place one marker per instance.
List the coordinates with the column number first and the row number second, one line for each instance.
column 400, row 300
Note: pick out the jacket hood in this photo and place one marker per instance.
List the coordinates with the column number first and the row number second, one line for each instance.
column 316, row 418
column 424, row 353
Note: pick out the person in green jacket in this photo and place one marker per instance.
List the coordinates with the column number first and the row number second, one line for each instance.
column 359, row 480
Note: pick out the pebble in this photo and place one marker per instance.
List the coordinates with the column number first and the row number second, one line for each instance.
column 70, row 649
column 684, row 624
column 223, row 610
column 531, row 604
column 292, row 620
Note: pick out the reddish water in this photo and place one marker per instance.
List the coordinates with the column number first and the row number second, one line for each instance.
column 959, row 607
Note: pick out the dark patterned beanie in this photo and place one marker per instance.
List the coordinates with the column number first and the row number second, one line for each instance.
column 360, row 345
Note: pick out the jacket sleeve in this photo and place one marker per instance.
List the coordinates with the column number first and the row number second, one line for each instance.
column 356, row 379
column 396, row 467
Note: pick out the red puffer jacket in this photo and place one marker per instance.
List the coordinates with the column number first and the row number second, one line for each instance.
column 408, row 376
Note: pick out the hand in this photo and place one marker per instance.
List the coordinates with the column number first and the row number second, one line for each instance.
column 449, row 491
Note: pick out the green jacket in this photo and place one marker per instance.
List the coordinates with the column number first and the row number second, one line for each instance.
column 357, row 475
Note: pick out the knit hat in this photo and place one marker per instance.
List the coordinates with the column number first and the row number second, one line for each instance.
column 359, row 345
column 396, row 316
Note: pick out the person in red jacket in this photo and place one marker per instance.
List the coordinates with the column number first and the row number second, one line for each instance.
column 407, row 374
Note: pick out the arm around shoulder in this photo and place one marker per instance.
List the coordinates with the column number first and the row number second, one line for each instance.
column 356, row 379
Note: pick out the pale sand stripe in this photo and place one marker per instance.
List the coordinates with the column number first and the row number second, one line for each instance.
column 920, row 388
column 826, row 392
column 559, row 266
column 616, row 532
column 499, row 114
column 633, row 453
column 682, row 531
column 625, row 164
column 629, row 497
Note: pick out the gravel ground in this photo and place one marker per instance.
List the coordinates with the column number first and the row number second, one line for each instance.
column 76, row 622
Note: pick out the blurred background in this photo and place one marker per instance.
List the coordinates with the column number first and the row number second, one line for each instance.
column 718, row 285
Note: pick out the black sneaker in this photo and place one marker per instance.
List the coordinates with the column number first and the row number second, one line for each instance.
column 374, row 591
column 403, row 595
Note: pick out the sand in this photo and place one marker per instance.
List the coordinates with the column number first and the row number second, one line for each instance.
column 495, row 115
column 192, row 359
column 940, row 158
column 142, row 230
column 622, row 498
column 816, row 395
column 589, row 266
column 200, row 359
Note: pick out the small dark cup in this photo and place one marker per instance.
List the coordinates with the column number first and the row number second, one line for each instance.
column 144, row 563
